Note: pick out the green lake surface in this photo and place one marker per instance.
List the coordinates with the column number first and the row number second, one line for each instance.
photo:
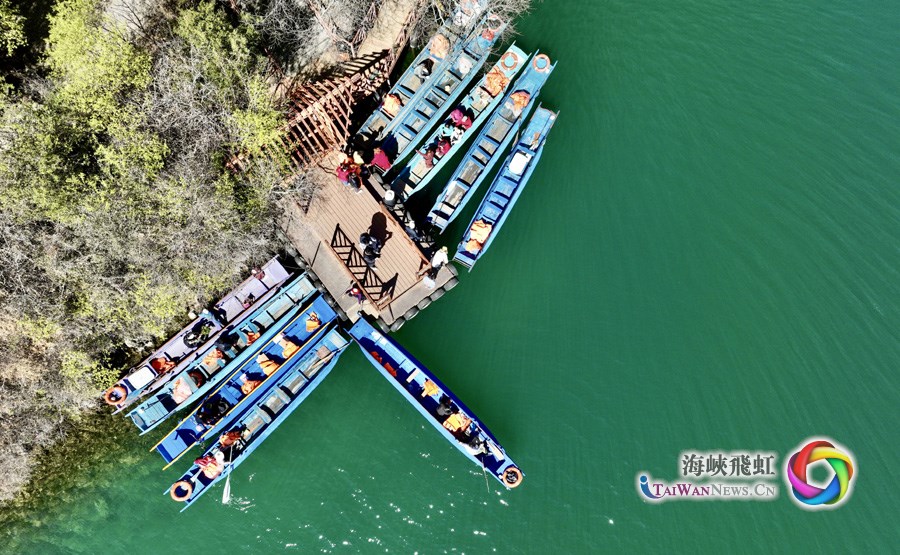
column 706, row 258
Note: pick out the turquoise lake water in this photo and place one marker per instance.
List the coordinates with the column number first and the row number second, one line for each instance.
column 706, row 258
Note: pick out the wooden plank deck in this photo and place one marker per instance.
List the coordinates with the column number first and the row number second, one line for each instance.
column 336, row 205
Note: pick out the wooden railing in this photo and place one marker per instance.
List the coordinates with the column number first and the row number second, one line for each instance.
column 378, row 293
column 319, row 119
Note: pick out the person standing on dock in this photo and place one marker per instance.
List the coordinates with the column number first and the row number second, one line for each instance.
column 349, row 174
column 440, row 258
column 356, row 292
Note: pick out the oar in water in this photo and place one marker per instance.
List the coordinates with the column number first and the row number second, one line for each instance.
column 486, row 482
column 226, row 493
column 484, row 470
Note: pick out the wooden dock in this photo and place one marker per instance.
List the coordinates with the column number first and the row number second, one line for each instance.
column 324, row 237
column 322, row 232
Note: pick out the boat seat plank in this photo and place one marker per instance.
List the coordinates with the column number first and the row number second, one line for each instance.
column 274, row 402
column 256, row 421
column 295, row 382
column 274, row 273
column 264, row 320
column 232, row 307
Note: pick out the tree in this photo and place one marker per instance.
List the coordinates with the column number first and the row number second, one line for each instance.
column 12, row 32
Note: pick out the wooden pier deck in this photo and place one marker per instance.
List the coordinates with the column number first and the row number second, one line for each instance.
column 322, row 233
column 326, row 236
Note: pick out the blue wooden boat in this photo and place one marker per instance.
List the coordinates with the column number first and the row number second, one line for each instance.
column 167, row 361
column 423, row 111
column 477, row 105
column 454, row 420
column 220, row 360
column 506, row 188
column 250, row 381
column 411, row 85
column 490, row 145
column 259, row 420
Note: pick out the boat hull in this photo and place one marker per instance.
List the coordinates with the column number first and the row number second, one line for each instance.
column 157, row 408
column 259, row 420
column 479, row 103
column 411, row 379
column 489, row 147
column 229, row 395
column 506, row 188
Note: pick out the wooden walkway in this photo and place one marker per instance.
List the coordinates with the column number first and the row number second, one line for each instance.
column 321, row 111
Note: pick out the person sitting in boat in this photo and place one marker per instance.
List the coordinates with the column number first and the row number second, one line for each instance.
column 485, row 40
column 251, row 335
column 231, row 437
column 380, row 160
column 478, row 234
column 430, row 389
column 248, row 302
column 423, row 70
column 162, row 364
column 472, row 441
column 443, row 146
column 457, row 422
column 214, row 359
column 456, row 135
column 494, row 83
column 228, row 341
column 428, row 156
column 212, row 410
column 446, row 129
column 445, row 408
column 460, row 118
column 391, row 104
column 210, row 465
column 249, row 385
column 181, row 391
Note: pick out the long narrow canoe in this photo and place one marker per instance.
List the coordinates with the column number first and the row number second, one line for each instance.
column 221, row 359
column 454, row 420
column 439, row 50
column 227, row 400
column 426, row 108
column 478, row 104
column 505, row 189
column 490, row 145
column 167, row 361
column 259, row 420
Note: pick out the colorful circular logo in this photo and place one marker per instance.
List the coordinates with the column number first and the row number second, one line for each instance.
column 810, row 496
